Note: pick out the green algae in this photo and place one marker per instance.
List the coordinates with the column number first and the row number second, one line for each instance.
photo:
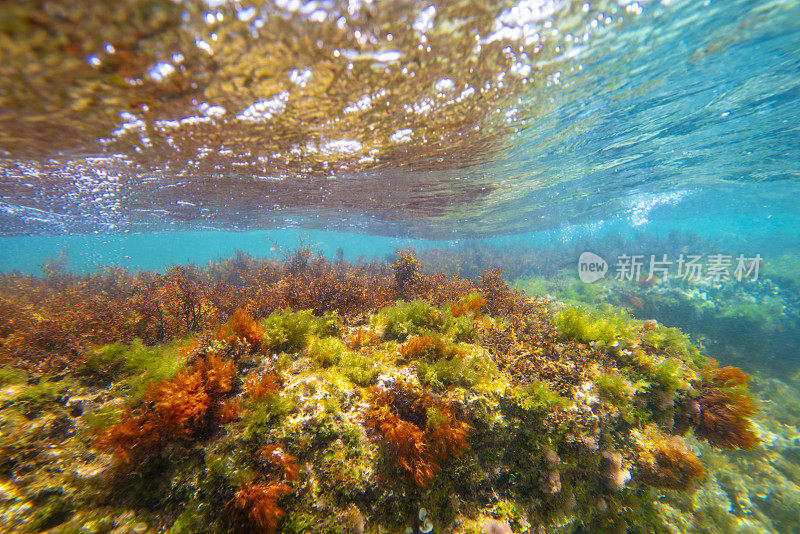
column 738, row 322
column 673, row 344
column 327, row 351
column 411, row 318
column 51, row 512
column 9, row 375
column 361, row 370
column 191, row 520
column 33, row 396
column 533, row 286
column 473, row 370
column 139, row 364
column 227, row 468
column 618, row 389
column 288, row 331
column 420, row 317
column 260, row 415
column 668, row 374
column 669, row 359
column 586, row 325
column 536, row 396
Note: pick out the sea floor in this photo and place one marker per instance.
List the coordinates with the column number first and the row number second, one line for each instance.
column 309, row 395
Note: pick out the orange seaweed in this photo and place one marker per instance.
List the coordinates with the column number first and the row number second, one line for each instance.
column 728, row 377
column 242, row 325
column 418, row 345
column 448, row 436
column 428, row 345
column 260, row 386
column 724, row 419
column 360, row 336
column 672, row 465
column 469, row 303
column 406, row 271
column 285, row 463
column 255, row 507
column 228, row 411
column 173, row 409
column 636, row 302
column 726, row 409
column 417, row 446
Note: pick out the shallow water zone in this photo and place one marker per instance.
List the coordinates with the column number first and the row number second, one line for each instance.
column 371, row 266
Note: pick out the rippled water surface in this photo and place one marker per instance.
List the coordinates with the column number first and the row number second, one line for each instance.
column 401, row 118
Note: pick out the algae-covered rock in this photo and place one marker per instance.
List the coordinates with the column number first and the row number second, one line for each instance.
column 487, row 411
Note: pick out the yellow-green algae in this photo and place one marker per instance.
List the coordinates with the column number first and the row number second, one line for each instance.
column 554, row 402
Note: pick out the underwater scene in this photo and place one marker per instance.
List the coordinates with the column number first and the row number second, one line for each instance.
column 400, row 266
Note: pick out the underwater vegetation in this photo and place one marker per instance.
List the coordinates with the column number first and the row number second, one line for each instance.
column 667, row 462
column 48, row 322
column 725, row 409
column 257, row 505
column 346, row 398
column 173, row 409
column 426, row 435
column 754, row 324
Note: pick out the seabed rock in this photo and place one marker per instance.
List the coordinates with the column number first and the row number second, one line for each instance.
column 473, row 409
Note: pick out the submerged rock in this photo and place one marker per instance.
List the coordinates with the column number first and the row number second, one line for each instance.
column 614, row 475
column 492, row 526
column 461, row 405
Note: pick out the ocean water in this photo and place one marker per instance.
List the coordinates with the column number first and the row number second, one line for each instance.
column 643, row 155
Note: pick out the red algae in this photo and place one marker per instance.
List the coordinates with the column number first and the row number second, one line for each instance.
column 255, row 507
column 260, row 386
column 242, row 325
column 426, row 435
column 174, row 409
column 726, row 410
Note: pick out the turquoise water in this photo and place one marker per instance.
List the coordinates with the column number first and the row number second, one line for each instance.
column 739, row 218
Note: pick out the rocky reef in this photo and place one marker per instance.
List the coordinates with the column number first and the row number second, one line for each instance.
column 402, row 401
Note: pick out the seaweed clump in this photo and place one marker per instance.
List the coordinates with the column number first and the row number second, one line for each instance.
column 242, row 325
column 725, row 409
column 666, row 462
column 255, row 507
column 419, row 432
column 174, row 409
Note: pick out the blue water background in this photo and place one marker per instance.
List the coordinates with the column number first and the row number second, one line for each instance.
column 731, row 223
column 684, row 117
